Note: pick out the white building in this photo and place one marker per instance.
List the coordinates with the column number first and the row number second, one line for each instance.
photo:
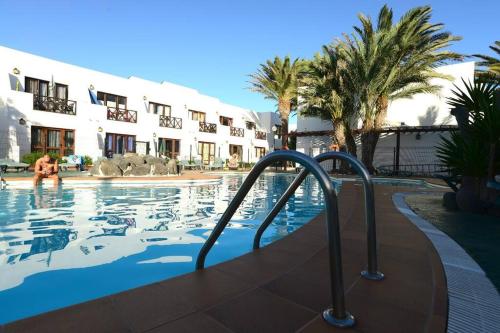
column 50, row 106
column 422, row 110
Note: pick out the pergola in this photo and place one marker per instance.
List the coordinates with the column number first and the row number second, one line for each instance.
column 398, row 130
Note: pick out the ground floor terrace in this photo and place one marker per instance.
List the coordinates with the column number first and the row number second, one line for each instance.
column 284, row 286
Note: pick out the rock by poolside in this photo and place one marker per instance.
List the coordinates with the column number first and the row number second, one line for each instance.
column 132, row 164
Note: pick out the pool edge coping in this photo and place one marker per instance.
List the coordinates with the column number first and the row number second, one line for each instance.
column 473, row 300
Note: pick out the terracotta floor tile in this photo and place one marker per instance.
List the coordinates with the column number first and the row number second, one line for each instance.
column 197, row 323
column 318, row 325
column 261, row 311
column 94, row 316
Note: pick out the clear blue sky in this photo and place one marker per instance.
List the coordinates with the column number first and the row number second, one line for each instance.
column 210, row 45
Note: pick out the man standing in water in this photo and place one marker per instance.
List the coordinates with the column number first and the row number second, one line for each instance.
column 45, row 167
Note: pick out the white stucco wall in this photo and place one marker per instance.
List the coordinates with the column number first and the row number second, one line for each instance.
column 15, row 105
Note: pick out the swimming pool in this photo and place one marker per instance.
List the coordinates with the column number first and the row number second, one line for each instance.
column 71, row 244
column 66, row 245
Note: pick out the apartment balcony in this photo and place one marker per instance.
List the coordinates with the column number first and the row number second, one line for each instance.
column 260, row 135
column 208, row 127
column 53, row 104
column 170, row 122
column 236, row 131
column 128, row 116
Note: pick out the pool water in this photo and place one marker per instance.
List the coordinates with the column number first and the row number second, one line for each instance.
column 66, row 245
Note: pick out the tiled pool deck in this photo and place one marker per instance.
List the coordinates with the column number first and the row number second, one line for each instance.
column 284, row 286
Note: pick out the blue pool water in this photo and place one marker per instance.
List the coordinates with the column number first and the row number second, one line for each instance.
column 67, row 245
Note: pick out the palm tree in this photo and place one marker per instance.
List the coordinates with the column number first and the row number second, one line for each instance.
column 390, row 61
column 279, row 80
column 492, row 64
column 326, row 93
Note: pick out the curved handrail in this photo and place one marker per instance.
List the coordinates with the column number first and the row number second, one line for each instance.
column 371, row 272
column 337, row 316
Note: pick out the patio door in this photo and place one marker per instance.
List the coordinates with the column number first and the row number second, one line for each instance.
column 119, row 144
column 206, row 150
column 236, row 149
column 169, row 147
column 53, row 140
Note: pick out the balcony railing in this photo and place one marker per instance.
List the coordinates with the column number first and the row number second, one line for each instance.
column 260, row 135
column 53, row 104
column 208, row 127
column 128, row 116
column 170, row 122
column 236, row 131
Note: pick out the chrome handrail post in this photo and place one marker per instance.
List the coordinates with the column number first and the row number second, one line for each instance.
column 337, row 316
column 371, row 272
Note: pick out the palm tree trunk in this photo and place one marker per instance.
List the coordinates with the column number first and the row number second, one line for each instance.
column 371, row 133
column 339, row 138
column 284, row 108
column 350, row 142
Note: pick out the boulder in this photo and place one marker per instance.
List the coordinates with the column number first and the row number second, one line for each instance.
column 123, row 164
column 109, row 168
column 140, row 170
column 159, row 169
column 151, row 160
column 134, row 160
column 172, row 166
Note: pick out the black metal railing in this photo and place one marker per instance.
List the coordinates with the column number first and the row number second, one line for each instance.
column 54, row 104
column 208, row 127
column 236, row 131
column 407, row 170
column 128, row 116
column 170, row 122
column 260, row 135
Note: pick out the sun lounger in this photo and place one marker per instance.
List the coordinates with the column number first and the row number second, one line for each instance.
column 6, row 164
column 74, row 161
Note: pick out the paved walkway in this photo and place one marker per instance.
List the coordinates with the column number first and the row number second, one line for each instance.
column 284, row 286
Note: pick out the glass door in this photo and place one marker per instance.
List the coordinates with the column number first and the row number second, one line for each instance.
column 206, row 150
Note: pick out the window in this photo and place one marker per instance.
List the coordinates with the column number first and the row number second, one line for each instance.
column 226, row 121
column 236, row 149
column 206, row 150
column 119, row 144
column 278, row 131
column 197, row 115
column 260, row 152
column 250, row 125
column 161, row 109
column 61, row 91
column 112, row 101
column 36, row 86
column 169, row 147
column 52, row 140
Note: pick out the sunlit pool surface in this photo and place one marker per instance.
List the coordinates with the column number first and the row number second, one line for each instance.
column 62, row 246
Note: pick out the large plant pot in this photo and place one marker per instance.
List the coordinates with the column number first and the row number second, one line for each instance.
column 469, row 195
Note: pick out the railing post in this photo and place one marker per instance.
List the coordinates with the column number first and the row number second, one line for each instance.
column 372, row 272
column 337, row 315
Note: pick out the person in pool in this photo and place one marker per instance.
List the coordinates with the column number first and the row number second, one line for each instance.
column 45, row 167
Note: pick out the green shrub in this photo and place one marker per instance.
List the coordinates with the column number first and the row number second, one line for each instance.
column 31, row 158
column 87, row 160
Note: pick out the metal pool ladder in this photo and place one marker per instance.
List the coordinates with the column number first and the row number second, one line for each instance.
column 337, row 315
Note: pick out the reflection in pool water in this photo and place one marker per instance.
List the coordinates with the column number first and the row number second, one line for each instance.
column 67, row 245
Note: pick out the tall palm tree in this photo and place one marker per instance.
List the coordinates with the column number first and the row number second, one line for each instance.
column 279, row 80
column 326, row 93
column 492, row 64
column 390, row 61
